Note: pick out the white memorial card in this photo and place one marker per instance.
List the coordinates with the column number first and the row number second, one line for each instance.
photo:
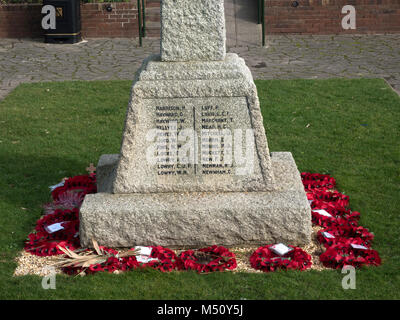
column 358, row 246
column 145, row 259
column 56, row 186
column 144, row 251
column 54, row 227
column 328, row 235
column 280, row 249
column 323, row 212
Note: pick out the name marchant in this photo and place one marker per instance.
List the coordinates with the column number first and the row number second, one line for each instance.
column 214, row 120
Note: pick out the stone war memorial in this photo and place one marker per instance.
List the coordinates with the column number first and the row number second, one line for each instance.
column 194, row 166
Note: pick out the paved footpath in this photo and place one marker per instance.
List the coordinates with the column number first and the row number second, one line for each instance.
column 285, row 57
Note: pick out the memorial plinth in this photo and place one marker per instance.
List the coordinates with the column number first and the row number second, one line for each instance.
column 194, row 167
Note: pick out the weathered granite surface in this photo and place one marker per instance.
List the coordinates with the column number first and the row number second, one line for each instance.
column 192, row 30
column 181, row 107
column 227, row 85
column 200, row 219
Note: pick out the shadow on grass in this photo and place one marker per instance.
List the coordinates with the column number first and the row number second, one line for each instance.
column 24, row 190
column 29, row 175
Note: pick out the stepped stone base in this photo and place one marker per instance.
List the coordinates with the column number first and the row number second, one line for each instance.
column 199, row 219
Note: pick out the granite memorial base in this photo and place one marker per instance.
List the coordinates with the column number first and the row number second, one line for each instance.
column 202, row 219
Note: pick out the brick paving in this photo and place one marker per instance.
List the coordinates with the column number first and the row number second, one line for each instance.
column 284, row 57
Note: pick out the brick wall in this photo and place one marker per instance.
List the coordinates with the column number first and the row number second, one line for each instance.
column 121, row 22
column 324, row 16
column 20, row 21
column 24, row 21
column 309, row 17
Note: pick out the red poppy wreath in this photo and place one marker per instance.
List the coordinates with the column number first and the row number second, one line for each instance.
column 336, row 210
column 214, row 258
column 345, row 235
column 110, row 260
column 266, row 260
column 43, row 244
column 60, row 228
column 342, row 254
column 83, row 184
column 56, row 233
column 317, row 180
column 325, row 221
column 162, row 259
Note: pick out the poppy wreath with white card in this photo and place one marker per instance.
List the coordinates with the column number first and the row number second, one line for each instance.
column 265, row 259
column 162, row 259
column 331, row 236
column 342, row 234
column 59, row 228
column 83, row 184
column 354, row 255
column 47, row 236
column 59, row 216
column 322, row 219
column 335, row 210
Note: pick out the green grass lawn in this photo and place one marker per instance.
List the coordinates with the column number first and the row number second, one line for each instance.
column 346, row 128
